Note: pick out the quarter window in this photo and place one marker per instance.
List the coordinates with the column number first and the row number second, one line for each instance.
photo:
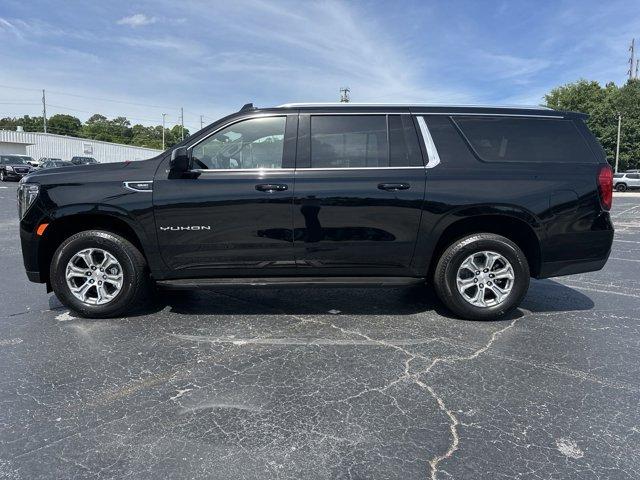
column 509, row 139
column 250, row 144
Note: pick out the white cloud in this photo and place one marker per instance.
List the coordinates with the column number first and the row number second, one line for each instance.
column 137, row 20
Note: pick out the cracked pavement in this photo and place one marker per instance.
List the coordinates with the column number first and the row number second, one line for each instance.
column 327, row 383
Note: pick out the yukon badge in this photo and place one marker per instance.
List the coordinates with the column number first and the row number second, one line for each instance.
column 190, row 227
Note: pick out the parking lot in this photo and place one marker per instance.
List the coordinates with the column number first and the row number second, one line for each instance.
column 326, row 383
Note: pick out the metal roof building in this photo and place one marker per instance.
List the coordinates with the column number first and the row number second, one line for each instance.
column 38, row 145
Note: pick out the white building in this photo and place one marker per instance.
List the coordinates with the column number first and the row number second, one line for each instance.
column 38, row 145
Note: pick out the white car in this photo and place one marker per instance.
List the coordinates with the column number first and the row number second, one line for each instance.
column 624, row 181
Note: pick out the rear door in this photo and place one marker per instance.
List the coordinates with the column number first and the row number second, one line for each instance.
column 360, row 183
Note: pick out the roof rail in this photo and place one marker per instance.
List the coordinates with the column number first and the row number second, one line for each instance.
column 352, row 104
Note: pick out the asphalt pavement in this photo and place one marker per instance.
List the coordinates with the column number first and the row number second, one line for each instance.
column 327, row 383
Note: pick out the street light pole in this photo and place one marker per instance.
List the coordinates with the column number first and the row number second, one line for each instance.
column 163, row 117
column 618, row 143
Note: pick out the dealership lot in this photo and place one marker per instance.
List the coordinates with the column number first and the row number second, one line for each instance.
column 347, row 383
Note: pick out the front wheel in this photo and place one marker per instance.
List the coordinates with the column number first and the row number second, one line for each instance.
column 3, row 178
column 621, row 187
column 99, row 274
column 482, row 276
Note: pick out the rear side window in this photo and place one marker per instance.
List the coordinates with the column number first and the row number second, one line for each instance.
column 511, row 139
column 349, row 141
column 363, row 141
column 618, row 175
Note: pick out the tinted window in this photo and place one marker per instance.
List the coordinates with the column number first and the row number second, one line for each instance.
column 349, row 141
column 254, row 143
column 10, row 160
column 634, row 176
column 404, row 150
column 618, row 175
column 508, row 139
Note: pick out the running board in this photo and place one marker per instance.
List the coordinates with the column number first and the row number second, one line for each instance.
column 329, row 282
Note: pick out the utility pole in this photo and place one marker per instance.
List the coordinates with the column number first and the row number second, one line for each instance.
column 344, row 94
column 618, row 143
column 201, row 124
column 163, row 117
column 182, row 122
column 44, row 111
column 632, row 61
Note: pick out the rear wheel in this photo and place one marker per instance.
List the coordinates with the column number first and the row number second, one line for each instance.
column 621, row 187
column 482, row 276
column 3, row 178
column 99, row 274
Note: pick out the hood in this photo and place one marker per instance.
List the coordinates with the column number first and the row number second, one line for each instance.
column 97, row 172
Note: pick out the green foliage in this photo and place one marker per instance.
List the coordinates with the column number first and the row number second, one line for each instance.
column 99, row 127
column 603, row 104
column 64, row 125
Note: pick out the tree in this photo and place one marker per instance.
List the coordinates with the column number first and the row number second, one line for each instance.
column 64, row 125
column 603, row 104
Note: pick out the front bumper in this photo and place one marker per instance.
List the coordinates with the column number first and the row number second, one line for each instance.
column 15, row 175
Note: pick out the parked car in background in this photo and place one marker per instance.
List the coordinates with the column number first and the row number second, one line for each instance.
column 55, row 163
column 83, row 160
column 472, row 200
column 13, row 167
column 26, row 158
column 624, row 181
column 42, row 160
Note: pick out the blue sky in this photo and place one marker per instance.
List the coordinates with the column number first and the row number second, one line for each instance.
column 141, row 59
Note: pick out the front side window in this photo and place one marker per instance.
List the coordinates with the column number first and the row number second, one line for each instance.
column 513, row 139
column 249, row 144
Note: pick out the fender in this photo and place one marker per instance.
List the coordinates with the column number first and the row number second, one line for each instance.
column 140, row 222
column 434, row 224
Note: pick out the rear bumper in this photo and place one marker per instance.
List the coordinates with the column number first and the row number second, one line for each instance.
column 571, row 267
column 578, row 252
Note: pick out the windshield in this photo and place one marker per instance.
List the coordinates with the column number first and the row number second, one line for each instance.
column 12, row 160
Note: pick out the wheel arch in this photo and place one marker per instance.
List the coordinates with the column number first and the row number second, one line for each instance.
column 515, row 228
column 63, row 227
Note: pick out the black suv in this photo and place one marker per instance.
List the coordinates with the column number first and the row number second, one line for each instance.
column 13, row 167
column 473, row 200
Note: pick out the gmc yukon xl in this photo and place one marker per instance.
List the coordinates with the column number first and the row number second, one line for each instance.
column 471, row 200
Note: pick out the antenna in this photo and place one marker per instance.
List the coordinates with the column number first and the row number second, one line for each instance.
column 344, row 94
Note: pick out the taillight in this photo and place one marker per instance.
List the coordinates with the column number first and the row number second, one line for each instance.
column 605, row 186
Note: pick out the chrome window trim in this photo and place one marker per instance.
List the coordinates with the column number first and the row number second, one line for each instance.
column 233, row 122
column 129, row 187
column 237, row 170
column 433, row 157
column 362, row 168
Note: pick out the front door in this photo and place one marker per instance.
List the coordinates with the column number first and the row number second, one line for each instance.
column 360, row 184
column 232, row 217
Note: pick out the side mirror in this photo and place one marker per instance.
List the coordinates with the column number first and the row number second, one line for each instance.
column 179, row 162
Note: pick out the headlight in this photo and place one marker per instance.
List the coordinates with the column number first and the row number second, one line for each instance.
column 27, row 194
column 9, row 168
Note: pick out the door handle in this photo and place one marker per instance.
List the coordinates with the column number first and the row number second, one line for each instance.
column 392, row 187
column 271, row 187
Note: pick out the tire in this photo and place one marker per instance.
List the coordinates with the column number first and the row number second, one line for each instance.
column 2, row 176
column 621, row 187
column 135, row 281
column 447, row 273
